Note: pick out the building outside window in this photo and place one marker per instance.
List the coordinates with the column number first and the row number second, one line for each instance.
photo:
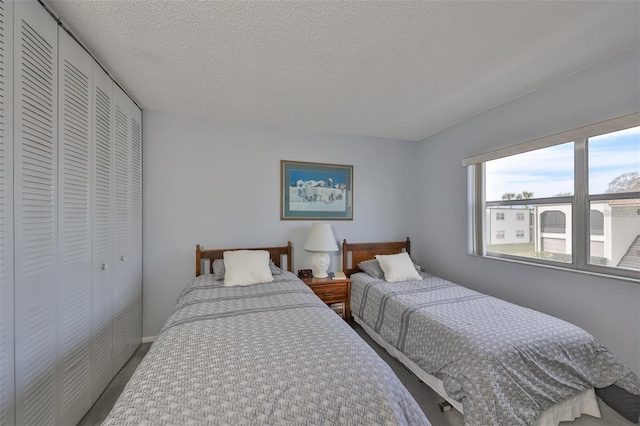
column 508, row 225
column 596, row 220
column 578, row 194
column 554, row 221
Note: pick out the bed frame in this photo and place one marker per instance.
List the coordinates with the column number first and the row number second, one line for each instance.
column 367, row 251
column 275, row 253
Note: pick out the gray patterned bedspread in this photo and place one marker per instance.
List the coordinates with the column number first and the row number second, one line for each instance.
column 505, row 363
column 261, row 354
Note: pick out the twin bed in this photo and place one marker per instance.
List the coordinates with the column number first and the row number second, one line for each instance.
column 496, row 362
column 268, row 353
column 273, row 353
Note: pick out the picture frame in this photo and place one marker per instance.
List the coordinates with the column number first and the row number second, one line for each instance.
column 315, row 191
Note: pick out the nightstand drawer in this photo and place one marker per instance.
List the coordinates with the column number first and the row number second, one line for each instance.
column 331, row 292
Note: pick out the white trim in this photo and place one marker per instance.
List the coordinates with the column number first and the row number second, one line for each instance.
column 479, row 208
column 566, row 267
column 608, row 126
column 581, row 239
column 149, row 339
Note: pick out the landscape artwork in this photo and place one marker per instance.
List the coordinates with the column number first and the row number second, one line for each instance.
column 316, row 191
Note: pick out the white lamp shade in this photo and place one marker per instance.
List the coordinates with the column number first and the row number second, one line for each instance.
column 320, row 238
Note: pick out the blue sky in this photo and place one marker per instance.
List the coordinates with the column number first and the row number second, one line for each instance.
column 312, row 175
column 549, row 171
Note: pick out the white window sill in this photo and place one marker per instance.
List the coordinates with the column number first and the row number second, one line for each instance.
column 568, row 268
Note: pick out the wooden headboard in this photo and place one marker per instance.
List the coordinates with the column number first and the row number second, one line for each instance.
column 366, row 251
column 274, row 252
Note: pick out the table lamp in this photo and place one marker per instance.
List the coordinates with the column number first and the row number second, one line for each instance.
column 320, row 240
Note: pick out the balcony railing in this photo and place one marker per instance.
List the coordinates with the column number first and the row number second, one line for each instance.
column 554, row 229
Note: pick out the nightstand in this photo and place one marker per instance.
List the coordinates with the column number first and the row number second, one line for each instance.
column 332, row 291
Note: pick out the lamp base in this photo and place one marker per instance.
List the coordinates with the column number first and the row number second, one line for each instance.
column 320, row 262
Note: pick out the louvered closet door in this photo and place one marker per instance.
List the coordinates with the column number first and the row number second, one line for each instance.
column 135, row 234
column 7, row 416
column 35, row 216
column 75, row 70
column 121, row 229
column 102, row 350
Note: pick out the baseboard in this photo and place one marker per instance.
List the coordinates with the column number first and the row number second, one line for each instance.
column 148, row 339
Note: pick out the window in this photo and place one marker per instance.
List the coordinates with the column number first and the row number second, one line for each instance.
column 553, row 221
column 577, row 194
column 596, row 221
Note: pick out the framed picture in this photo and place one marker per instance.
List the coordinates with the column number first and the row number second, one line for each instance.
column 310, row 191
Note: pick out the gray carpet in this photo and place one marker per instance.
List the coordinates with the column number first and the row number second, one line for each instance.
column 424, row 396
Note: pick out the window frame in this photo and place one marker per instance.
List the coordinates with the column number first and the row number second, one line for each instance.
column 580, row 202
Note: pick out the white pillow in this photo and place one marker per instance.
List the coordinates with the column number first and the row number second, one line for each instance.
column 244, row 267
column 398, row 267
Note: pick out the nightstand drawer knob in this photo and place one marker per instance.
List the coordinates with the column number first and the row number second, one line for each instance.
column 327, row 293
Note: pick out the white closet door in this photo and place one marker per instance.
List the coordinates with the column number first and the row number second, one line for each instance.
column 35, row 215
column 7, row 416
column 121, row 227
column 75, row 70
column 102, row 350
column 135, row 235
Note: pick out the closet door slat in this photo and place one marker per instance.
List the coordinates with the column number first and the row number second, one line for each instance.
column 121, row 229
column 75, row 151
column 135, row 215
column 102, row 351
column 36, row 258
column 7, row 415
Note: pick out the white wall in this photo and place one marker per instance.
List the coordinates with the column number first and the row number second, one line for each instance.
column 217, row 183
column 608, row 308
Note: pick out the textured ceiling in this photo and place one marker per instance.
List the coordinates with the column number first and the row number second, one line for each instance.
column 397, row 69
